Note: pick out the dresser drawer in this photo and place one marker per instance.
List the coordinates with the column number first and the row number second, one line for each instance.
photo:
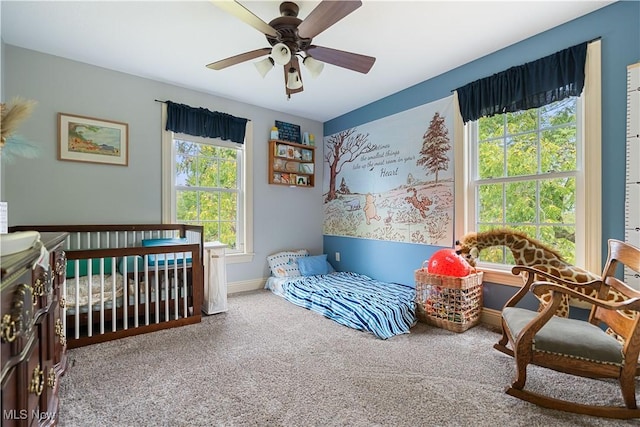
column 17, row 318
column 32, row 337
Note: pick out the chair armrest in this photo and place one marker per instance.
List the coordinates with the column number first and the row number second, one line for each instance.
column 524, row 290
column 540, row 288
column 548, row 276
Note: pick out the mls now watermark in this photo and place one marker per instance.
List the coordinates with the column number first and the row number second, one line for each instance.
column 23, row 414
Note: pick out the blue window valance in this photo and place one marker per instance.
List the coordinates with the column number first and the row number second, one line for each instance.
column 532, row 85
column 202, row 122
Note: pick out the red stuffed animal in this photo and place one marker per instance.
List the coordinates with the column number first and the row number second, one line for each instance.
column 446, row 262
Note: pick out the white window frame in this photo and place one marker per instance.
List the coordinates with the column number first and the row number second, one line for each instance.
column 245, row 195
column 588, row 203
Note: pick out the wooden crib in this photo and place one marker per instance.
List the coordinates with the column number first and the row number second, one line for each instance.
column 128, row 279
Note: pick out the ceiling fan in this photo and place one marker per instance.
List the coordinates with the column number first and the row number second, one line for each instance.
column 291, row 37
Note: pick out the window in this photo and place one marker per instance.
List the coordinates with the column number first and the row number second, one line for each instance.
column 207, row 186
column 525, row 169
column 539, row 171
column 205, row 183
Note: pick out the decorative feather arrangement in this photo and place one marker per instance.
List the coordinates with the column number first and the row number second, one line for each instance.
column 12, row 145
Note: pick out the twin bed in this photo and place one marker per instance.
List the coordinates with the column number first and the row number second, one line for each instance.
column 351, row 299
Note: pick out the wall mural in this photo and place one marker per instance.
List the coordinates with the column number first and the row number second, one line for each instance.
column 392, row 178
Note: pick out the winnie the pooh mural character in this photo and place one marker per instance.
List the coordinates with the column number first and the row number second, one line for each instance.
column 370, row 211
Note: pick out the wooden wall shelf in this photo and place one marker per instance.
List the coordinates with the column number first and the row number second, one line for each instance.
column 291, row 164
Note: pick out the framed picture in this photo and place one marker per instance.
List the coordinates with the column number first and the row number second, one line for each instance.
column 307, row 155
column 281, row 150
column 87, row 139
column 279, row 164
column 290, row 152
column 306, row 168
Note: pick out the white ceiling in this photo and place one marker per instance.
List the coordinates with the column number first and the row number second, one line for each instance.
column 172, row 41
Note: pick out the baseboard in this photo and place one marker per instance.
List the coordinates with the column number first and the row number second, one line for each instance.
column 492, row 318
column 245, row 286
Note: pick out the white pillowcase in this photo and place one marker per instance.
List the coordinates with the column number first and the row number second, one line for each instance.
column 285, row 264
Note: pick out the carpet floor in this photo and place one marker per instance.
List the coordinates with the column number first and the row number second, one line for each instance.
column 267, row 362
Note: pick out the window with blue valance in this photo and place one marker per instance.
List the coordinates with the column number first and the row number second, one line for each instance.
column 202, row 122
column 532, row 85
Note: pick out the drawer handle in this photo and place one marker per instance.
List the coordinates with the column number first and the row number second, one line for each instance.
column 51, row 381
column 38, row 290
column 61, row 264
column 8, row 328
column 37, row 381
column 60, row 332
column 22, row 309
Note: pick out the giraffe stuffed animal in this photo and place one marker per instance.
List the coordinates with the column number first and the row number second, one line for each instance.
column 532, row 253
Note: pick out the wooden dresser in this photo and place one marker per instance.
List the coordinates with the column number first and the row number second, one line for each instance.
column 33, row 341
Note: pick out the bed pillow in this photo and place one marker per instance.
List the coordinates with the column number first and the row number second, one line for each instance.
column 313, row 265
column 165, row 241
column 285, row 264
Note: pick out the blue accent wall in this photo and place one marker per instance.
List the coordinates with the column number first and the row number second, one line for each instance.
column 618, row 26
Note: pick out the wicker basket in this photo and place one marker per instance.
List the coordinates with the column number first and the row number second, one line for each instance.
column 452, row 303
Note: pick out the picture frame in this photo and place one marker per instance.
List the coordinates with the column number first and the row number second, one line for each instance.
column 92, row 140
column 279, row 164
column 281, row 150
column 306, row 168
column 288, row 131
column 290, row 152
column 307, row 155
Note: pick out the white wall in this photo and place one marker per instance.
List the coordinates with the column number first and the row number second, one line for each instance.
column 1, row 100
column 48, row 191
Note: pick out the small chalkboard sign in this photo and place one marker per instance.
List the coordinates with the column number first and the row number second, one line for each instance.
column 288, row 132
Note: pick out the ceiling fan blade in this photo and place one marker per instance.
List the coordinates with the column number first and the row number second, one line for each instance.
column 351, row 61
column 246, row 16
column 233, row 60
column 327, row 13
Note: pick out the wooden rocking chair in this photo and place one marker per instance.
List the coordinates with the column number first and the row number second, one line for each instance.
column 578, row 347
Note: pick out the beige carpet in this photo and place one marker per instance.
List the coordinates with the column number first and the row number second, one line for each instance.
column 266, row 362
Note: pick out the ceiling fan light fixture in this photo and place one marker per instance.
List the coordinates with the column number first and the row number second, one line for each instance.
column 313, row 66
column 264, row 66
column 293, row 79
column 281, row 54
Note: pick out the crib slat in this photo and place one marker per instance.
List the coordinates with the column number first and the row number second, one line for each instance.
column 90, row 295
column 185, row 288
column 167, row 287
column 77, row 314
column 125, row 294
column 114, row 303
column 101, row 293
column 157, row 291
column 175, row 286
column 146, row 291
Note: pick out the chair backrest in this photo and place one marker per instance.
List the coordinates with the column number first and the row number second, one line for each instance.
column 620, row 253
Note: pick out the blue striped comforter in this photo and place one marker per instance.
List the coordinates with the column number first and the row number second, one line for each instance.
column 354, row 300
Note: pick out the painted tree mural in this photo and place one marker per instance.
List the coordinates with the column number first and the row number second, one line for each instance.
column 373, row 187
column 342, row 148
column 435, row 146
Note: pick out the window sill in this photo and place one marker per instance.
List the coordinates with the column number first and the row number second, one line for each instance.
column 500, row 277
